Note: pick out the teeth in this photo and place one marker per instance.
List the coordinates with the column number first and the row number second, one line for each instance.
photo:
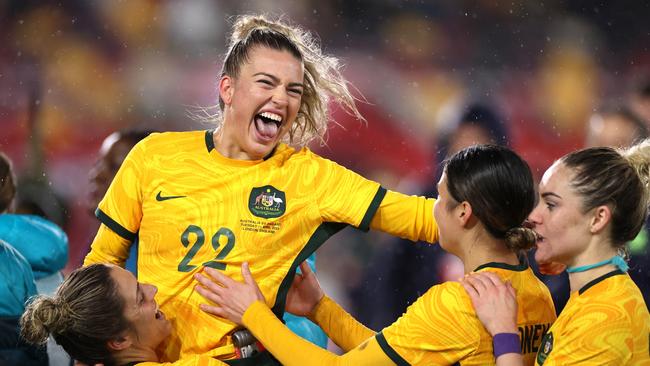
column 271, row 116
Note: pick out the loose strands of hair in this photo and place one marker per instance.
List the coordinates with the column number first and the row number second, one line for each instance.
column 323, row 81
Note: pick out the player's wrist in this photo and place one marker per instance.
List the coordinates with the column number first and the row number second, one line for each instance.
column 313, row 314
column 505, row 343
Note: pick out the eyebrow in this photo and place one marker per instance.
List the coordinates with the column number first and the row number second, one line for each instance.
column 275, row 79
column 546, row 194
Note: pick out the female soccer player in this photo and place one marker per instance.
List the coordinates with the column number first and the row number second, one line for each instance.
column 592, row 202
column 485, row 194
column 240, row 193
column 102, row 315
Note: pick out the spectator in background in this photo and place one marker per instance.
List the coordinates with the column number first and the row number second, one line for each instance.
column 640, row 101
column 615, row 126
column 620, row 127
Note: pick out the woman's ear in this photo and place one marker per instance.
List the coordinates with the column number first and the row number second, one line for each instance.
column 226, row 90
column 602, row 215
column 463, row 212
column 119, row 344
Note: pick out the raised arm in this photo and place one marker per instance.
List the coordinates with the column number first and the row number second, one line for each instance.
column 408, row 217
column 244, row 304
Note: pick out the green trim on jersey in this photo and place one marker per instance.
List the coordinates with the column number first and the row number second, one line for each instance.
column 615, row 272
column 389, row 351
column 522, row 266
column 209, row 140
column 320, row 235
column 374, row 205
column 115, row 226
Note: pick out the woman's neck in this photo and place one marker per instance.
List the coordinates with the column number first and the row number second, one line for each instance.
column 227, row 147
column 596, row 251
column 483, row 249
column 135, row 354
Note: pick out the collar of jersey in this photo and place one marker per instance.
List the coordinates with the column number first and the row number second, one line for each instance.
column 522, row 266
column 595, row 281
column 209, row 144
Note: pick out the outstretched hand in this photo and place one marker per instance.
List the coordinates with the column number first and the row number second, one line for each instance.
column 495, row 302
column 232, row 297
column 305, row 292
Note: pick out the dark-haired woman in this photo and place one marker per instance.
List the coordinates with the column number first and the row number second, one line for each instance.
column 592, row 202
column 485, row 194
column 241, row 193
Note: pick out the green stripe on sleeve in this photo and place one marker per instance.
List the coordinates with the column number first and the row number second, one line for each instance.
column 372, row 209
column 389, row 351
column 113, row 225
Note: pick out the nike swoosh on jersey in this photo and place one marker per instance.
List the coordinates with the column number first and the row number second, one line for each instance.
column 160, row 197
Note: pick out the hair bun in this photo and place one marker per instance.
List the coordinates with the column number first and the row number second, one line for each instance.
column 520, row 238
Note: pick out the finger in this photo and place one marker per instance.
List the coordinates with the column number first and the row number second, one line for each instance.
column 246, row 273
column 214, row 297
column 494, row 278
column 219, row 277
column 484, row 280
column 305, row 268
column 208, row 283
column 511, row 290
column 478, row 285
column 214, row 310
column 471, row 291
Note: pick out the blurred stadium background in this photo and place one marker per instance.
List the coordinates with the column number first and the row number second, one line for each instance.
column 72, row 72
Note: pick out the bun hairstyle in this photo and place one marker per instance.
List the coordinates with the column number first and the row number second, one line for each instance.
column 499, row 186
column 7, row 183
column 322, row 77
column 85, row 313
column 617, row 178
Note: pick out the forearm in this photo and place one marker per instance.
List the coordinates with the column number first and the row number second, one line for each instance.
column 108, row 247
column 342, row 328
column 292, row 350
column 408, row 217
column 510, row 359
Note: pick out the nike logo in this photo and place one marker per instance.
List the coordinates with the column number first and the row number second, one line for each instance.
column 160, row 197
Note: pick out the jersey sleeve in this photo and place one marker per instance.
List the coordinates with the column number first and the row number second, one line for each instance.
column 121, row 209
column 343, row 195
column 291, row 350
column 441, row 321
column 197, row 360
column 408, row 217
column 108, row 247
column 598, row 332
column 340, row 326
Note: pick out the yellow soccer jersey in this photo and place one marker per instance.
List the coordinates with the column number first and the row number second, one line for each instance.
column 191, row 207
column 604, row 323
column 441, row 327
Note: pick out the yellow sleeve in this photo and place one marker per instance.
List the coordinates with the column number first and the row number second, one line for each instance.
column 341, row 327
column 291, row 350
column 120, row 211
column 108, row 247
column 408, row 217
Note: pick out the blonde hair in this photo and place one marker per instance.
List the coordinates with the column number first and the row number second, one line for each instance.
column 86, row 312
column 323, row 81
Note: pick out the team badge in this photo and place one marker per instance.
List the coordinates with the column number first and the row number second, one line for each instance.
column 267, row 202
column 545, row 348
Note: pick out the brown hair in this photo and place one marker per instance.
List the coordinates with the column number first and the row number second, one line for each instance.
column 7, row 183
column 617, row 178
column 322, row 77
column 85, row 313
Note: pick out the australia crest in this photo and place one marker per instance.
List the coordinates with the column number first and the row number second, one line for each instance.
column 267, row 202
